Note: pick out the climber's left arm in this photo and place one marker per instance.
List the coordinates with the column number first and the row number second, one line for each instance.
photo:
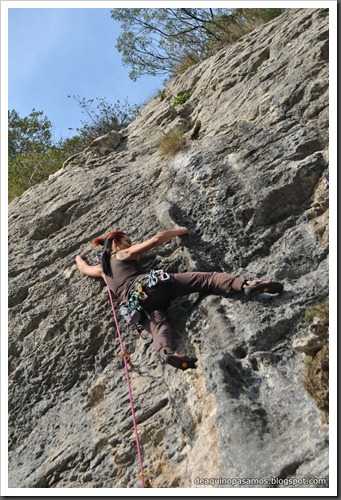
column 92, row 271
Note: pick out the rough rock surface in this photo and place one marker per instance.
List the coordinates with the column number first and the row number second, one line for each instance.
column 253, row 191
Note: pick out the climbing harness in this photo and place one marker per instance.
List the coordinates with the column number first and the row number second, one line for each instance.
column 141, row 285
column 126, row 358
column 132, row 310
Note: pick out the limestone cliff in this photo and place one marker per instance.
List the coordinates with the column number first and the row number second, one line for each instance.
column 253, row 191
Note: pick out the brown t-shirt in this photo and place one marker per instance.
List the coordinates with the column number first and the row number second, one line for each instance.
column 124, row 274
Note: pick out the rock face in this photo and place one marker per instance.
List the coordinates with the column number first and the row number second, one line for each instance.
column 253, row 191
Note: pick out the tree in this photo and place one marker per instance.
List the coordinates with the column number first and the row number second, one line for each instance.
column 33, row 166
column 32, row 153
column 33, row 133
column 164, row 41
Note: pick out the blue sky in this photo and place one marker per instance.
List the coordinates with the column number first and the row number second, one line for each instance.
column 56, row 52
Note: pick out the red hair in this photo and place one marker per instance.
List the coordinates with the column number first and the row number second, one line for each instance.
column 114, row 235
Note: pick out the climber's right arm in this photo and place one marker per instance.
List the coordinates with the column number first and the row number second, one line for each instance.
column 134, row 251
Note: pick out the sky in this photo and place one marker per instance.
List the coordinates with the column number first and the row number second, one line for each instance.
column 57, row 52
column 70, row 50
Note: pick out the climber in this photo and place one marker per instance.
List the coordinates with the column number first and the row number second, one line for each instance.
column 151, row 293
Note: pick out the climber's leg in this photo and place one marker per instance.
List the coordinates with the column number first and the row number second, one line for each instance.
column 155, row 322
column 185, row 283
column 253, row 288
column 207, row 282
column 180, row 361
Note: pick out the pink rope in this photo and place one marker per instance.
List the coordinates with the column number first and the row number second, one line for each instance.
column 129, row 389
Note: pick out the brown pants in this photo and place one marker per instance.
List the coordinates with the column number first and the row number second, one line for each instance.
column 154, row 316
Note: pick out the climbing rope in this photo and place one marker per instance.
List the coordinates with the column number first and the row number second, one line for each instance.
column 126, row 359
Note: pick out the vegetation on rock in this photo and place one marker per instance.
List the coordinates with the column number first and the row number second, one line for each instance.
column 33, row 155
column 316, row 376
column 181, row 98
column 168, row 41
column 172, row 142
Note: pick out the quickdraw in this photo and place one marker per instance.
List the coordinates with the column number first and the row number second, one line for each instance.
column 131, row 310
column 156, row 276
column 148, row 482
column 127, row 356
column 139, row 330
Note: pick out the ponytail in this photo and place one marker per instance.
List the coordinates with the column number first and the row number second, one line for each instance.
column 98, row 241
column 106, row 242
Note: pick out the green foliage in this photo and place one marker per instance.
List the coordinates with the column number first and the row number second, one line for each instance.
column 181, row 98
column 33, row 133
column 233, row 25
column 104, row 116
column 172, row 142
column 167, row 41
column 33, row 155
column 32, row 166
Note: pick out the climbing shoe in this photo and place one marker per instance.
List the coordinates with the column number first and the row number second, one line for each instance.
column 253, row 288
column 180, row 361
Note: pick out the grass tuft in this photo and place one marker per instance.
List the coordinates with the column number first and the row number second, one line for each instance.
column 172, row 142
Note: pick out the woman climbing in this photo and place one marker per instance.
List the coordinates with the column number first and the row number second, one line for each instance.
column 151, row 293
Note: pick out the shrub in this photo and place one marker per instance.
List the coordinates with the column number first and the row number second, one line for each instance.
column 34, row 155
column 181, row 98
column 316, row 374
column 162, row 94
column 172, row 142
column 104, row 117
